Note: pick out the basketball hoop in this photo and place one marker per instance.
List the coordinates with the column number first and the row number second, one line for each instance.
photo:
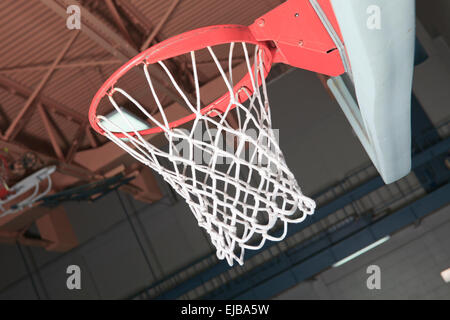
column 240, row 204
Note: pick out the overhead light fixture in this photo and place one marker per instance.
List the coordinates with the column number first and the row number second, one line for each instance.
column 125, row 120
column 446, row 275
column 363, row 250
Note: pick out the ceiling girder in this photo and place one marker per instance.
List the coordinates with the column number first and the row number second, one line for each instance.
column 70, row 169
column 48, row 102
column 119, row 22
column 76, row 142
column 91, row 138
column 39, row 67
column 50, row 132
column 14, row 127
column 108, row 39
column 160, row 24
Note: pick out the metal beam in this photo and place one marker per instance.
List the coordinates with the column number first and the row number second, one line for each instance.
column 12, row 237
column 40, row 67
column 160, row 24
column 100, row 33
column 117, row 18
column 50, row 132
column 48, row 102
column 91, row 137
column 70, row 169
column 139, row 19
column 135, row 15
column 95, row 29
column 12, row 131
column 76, row 142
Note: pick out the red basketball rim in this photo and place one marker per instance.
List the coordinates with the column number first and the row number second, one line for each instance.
column 181, row 44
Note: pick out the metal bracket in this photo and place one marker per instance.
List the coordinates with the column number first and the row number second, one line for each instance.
column 300, row 37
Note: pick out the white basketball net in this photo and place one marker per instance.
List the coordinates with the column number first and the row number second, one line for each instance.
column 241, row 203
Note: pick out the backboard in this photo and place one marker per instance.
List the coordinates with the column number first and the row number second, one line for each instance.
column 375, row 93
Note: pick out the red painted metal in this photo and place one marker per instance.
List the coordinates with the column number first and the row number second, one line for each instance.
column 4, row 192
column 55, row 228
column 292, row 33
column 300, row 37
